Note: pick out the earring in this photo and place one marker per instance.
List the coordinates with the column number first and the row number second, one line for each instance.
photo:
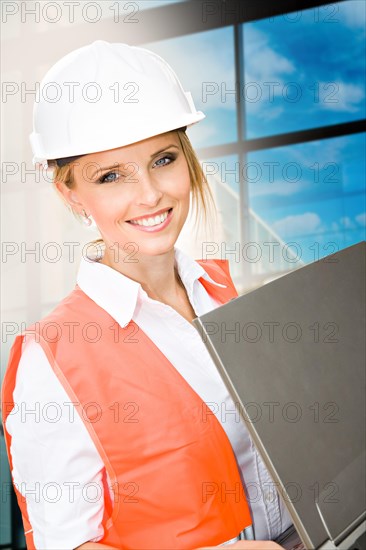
column 86, row 219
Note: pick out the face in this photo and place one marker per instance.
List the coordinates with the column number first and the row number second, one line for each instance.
column 136, row 194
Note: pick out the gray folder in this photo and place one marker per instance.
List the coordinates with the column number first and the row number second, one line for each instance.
column 292, row 354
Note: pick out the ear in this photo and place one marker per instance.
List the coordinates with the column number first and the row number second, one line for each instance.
column 69, row 195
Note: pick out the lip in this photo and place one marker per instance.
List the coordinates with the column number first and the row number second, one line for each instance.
column 154, row 228
column 149, row 215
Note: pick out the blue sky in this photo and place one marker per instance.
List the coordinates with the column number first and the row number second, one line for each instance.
column 316, row 57
column 313, row 62
column 315, row 190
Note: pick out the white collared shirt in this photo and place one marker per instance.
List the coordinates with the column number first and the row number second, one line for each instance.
column 56, row 465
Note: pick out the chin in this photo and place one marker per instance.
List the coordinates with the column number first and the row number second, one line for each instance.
column 160, row 246
column 156, row 250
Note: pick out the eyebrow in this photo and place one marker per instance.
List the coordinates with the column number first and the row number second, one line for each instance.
column 164, row 149
column 118, row 164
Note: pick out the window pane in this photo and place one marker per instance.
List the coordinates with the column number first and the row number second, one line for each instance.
column 203, row 61
column 222, row 176
column 305, row 69
column 149, row 4
column 311, row 194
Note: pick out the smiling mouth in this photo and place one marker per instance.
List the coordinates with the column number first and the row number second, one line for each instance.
column 151, row 221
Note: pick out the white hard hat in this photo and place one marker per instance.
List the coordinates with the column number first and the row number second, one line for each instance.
column 103, row 96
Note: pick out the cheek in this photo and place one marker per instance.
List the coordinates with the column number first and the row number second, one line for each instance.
column 182, row 185
column 109, row 207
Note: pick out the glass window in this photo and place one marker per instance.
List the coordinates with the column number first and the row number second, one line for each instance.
column 222, row 174
column 311, row 194
column 305, row 69
column 204, row 63
column 148, row 4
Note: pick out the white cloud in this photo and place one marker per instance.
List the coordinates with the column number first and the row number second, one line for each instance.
column 320, row 154
column 299, row 224
column 340, row 96
column 266, row 114
column 310, row 222
column 347, row 223
column 266, row 65
column 361, row 219
column 263, row 63
column 265, row 69
column 277, row 187
column 353, row 13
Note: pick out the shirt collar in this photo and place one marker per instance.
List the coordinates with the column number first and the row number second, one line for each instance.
column 190, row 270
column 117, row 294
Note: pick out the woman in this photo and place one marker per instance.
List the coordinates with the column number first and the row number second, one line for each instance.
column 145, row 462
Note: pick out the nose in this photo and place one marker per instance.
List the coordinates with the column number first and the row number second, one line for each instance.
column 148, row 192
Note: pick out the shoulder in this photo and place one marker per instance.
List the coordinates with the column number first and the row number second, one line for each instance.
column 28, row 345
column 76, row 304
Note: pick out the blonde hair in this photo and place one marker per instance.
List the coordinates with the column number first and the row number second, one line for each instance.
column 203, row 200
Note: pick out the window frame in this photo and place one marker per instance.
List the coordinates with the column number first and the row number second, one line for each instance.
column 187, row 18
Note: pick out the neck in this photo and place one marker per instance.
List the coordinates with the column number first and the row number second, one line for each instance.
column 157, row 275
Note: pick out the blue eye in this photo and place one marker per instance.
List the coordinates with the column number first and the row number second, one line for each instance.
column 107, row 178
column 161, row 162
column 112, row 176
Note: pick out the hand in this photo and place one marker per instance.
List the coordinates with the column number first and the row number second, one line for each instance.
column 248, row 545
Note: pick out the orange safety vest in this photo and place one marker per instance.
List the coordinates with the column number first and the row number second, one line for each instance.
column 173, row 473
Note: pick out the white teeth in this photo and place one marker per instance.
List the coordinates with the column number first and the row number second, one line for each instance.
column 152, row 221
